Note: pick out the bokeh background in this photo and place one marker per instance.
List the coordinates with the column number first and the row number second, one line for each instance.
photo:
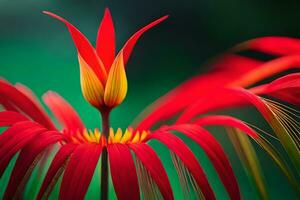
column 37, row 51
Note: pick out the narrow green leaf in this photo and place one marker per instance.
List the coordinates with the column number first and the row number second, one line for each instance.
column 248, row 157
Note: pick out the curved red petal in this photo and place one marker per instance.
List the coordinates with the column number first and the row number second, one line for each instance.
column 231, row 97
column 226, row 121
column 55, row 170
column 268, row 69
column 151, row 161
column 15, row 138
column 79, row 171
column 128, row 47
column 286, row 88
column 177, row 146
column 123, row 172
column 279, row 46
column 106, row 44
column 63, row 111
column 207, row 85
column 216, row 155
column 25, row 104
column 28, row 158
column 8, row 118
column 226, row 69
column 84, row 48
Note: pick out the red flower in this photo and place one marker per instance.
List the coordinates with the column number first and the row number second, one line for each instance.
column 103, row 77
column 31, row 131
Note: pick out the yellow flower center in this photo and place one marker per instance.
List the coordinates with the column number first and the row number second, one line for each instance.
column 95, row 136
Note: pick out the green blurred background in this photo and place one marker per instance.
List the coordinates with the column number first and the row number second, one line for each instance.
column 37, row 51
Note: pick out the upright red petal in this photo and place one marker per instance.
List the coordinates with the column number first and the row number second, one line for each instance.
column 63, row 111
column 123, row 172
column 25, row 104
column 177, row 146
column 106, row 44
column 79, row 171
column 128, row 47
column 279, row 46
column 216, row 155
column 153, row 164
column 8, row 118
column 15, row 138
column 26, row 162
column 55, row 170
column 85, row 49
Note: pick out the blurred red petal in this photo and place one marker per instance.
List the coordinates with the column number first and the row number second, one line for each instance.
column 25, row 104
column 8, row 118
column 226, row 69
column 279, row 46
column 63, row 111
column 226, row 121
column 286, row 88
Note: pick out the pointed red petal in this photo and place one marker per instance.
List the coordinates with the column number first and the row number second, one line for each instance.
column 105, row 45
column 63, row 111
column 79, row 171
column 25, row 104
column 26, row 162
column 153, row 164
column 128, row 47
column 226, row 121
column 123, row 172
column 216, row 155
column 85, row 49
column 177, row 146
column 55, row 170
column 279, row 46
column 15, row 138
column 8, row 118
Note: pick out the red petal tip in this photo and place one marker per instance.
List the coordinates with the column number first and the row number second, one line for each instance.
column 55, row 16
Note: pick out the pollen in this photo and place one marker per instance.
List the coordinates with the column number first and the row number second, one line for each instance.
column 128, row 137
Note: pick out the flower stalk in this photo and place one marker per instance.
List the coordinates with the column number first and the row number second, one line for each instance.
column 104, row 161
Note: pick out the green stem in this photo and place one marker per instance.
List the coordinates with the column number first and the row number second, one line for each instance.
column 104, row 161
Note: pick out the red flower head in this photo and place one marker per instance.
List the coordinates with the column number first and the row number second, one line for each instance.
column 134, row 165
column 102, row 74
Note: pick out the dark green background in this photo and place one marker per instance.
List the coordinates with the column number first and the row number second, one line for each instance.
column 37, row 51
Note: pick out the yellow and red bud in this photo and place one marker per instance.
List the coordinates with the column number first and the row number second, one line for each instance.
column 112, row 93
